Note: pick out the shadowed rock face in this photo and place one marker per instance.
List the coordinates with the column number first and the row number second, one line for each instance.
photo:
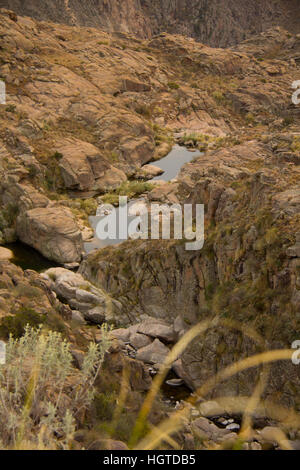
column 213, row 22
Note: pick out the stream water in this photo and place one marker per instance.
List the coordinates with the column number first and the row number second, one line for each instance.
column 171, row 165
column 174, row 161
column 28, row 258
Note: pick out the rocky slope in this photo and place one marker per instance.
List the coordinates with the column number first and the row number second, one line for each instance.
column 215, row 23
column 79, row 121
column 85, row 111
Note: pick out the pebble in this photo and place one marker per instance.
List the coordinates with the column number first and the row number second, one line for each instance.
column 178, row 406
column 175, row 382
column 71, row 266
column 223, row 421
column 233, row 427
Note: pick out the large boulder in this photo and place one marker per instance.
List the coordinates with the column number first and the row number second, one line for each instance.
column 52, row 231
column 155, row 353
column 211, row 409
column 288, row 201
column 207, row 430
column 148, row 172
column 24, row 195
column 139, row 341
column 78, row 293
column 130, row 335
column 157, row 329
column 181, row 372
column 5, row 254
column 84, row 168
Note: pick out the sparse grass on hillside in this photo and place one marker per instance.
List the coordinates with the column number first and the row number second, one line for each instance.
column 131, row 189
column 204, row 142
column 295, row 146
column 173, row 85
column 22, row 316
column 43, row 397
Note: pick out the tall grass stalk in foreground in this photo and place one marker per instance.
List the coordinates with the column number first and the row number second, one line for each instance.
column 42, row 395
column 236, row 405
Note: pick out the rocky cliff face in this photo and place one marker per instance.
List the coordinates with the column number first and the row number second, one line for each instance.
column 212, row 22
column 217, row 23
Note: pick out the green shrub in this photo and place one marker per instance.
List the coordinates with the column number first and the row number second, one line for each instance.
column 110, row 198
column 42, row 395
column 173, row 85
column 295, row 147
column 57, row 156
column 125, row 426
column 250, row 119
column 32, row 171
column 15, row 325
column 144, row 110
column 26, row 290
column 104, row 405
column 11, row 108
column 218, row 96
column 162, row 135
column 130, row 189
column 288, row 120
column 89, row 206
column 196, row 138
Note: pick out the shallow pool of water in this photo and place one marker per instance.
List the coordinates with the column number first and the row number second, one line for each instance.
column 174, row 394
column 171, row 164
column 28, row 258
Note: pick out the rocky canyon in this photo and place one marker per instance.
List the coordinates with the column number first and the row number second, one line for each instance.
column 97, row 94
